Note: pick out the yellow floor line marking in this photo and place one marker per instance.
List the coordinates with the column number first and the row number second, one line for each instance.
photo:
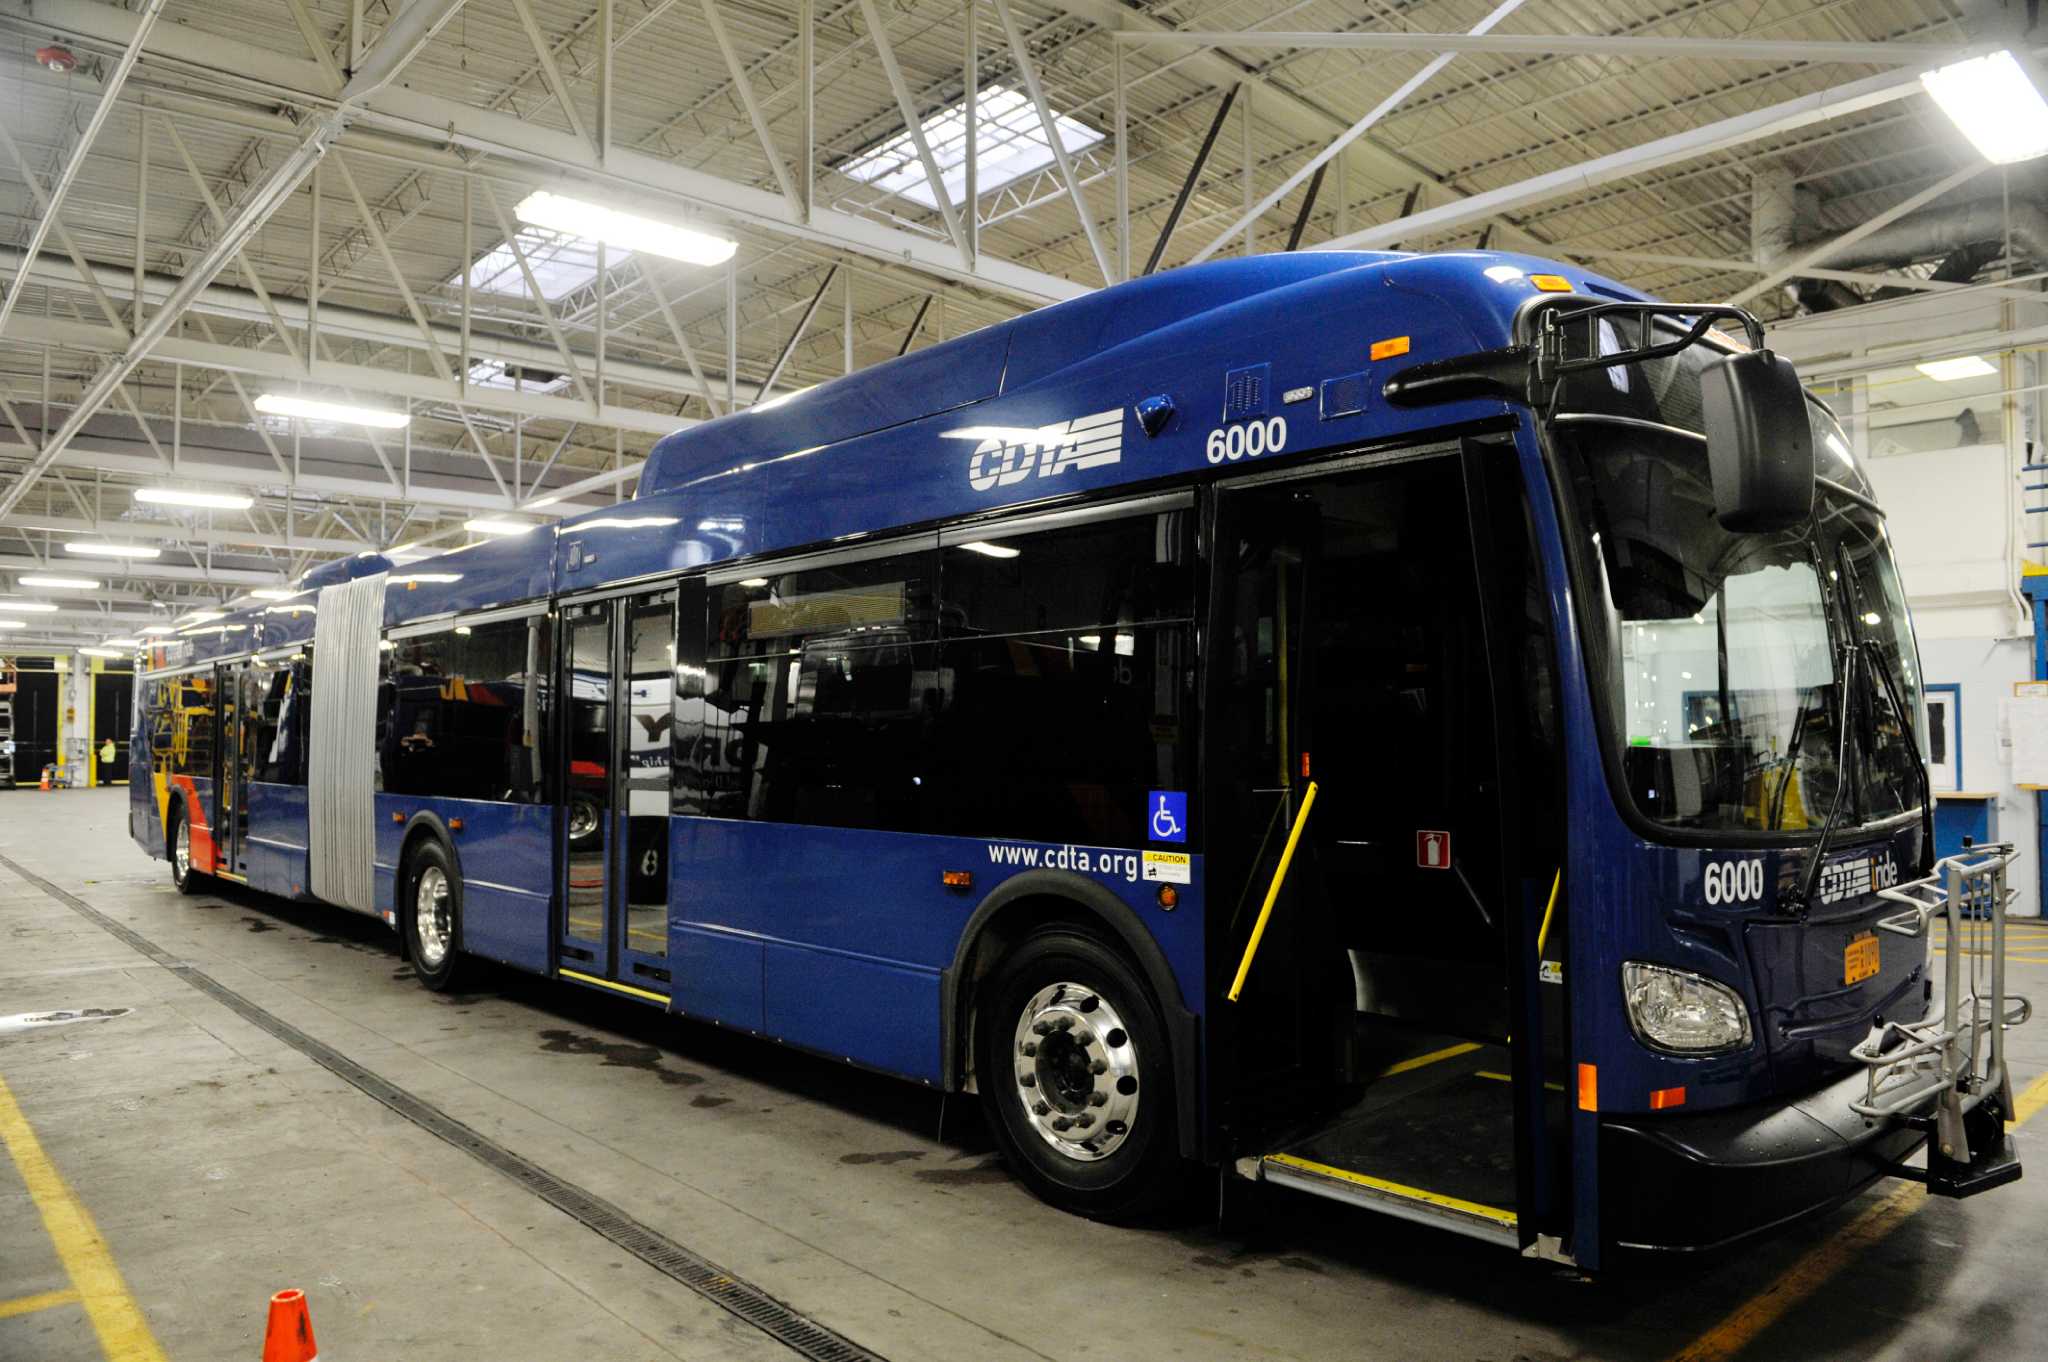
column 28, row 1305
column 1741, row 1327
column 123, row 1333
column 1424, row 1061
column 1406, row 1193
column 1509, row 1078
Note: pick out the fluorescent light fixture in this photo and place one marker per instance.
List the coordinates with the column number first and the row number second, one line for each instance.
column 28, row 607
column 1995, row 102
column 102, row 652
column 486, row 525
column 179, row 496
column 124, row 643
column 284, row 404
column 991, row 550
column 753, row 583
column 61, row 583
column 1009, row 144
column 271, row 593
column 12, row 624
column 1966, row 366
column 96, row 549
column 156, row 629
column 594, row 222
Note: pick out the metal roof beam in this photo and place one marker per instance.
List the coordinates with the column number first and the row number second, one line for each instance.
column 1789, row 116
column 1571, row 45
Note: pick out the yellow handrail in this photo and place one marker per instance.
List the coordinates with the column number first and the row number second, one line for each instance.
column 1251, row 947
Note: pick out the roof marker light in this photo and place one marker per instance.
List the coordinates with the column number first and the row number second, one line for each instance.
column 1390, row 347
column 1551, row 283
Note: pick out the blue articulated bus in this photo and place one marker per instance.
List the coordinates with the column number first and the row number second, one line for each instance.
column 1437, row 732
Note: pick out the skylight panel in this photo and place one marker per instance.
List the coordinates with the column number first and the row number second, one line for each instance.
column 561, row 264
column 1010, row 144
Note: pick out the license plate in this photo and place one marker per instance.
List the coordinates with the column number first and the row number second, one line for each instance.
column 1859, row 959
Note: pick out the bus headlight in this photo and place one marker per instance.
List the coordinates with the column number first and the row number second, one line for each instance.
column 1674, row 1010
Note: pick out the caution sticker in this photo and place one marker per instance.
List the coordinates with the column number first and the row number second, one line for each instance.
column 1169, row 867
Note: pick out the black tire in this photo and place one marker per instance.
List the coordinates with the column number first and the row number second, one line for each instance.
column 187, row 880
column 1102, row 1055
column 430, row 914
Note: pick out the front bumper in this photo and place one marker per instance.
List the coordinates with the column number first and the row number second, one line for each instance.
column 1690, row 1183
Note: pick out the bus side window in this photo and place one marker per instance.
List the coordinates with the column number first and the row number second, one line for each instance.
column 814, row 702
column 1069, row 658
column 460, row 713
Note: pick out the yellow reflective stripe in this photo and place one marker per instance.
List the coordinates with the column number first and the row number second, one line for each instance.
column 1424, row 1061
column 1498, row 1216
column 613, row 984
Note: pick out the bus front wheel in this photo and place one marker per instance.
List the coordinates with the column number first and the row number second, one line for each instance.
column 430, row 906
column 1076, row 1078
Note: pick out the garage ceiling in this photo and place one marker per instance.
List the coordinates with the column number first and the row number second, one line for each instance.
column 1624, row 136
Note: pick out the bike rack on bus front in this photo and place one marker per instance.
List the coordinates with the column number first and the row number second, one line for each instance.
column 1941, row 1058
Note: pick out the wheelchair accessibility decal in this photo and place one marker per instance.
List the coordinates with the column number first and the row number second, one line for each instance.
column 1167, row 815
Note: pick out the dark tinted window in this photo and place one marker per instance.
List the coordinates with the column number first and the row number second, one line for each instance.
column 814, row 699
column 461, row 713
column 281, row 723
column 1037, row 693
column 775, row 612
column 1110, row 572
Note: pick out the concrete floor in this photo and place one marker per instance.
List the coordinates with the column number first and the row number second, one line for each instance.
column 219, row 1164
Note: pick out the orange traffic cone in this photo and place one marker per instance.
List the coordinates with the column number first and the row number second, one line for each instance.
column 289, row 1337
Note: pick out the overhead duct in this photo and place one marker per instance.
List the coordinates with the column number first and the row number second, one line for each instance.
column 1942, row 232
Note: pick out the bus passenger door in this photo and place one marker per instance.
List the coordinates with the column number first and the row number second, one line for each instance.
column 229, row 790
column 618, row 670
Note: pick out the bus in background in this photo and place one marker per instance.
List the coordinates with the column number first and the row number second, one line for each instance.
column 1460, row 757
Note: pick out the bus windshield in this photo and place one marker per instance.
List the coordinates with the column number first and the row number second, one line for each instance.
column 1718, row 658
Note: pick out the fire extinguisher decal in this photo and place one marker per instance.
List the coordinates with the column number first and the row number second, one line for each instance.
column 1432, row 849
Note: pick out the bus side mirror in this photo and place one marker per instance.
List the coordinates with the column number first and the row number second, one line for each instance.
column 1759, row 442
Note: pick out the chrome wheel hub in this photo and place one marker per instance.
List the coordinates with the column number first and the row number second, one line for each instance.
column 1076, row 1071
column 181, row 850
column 582, row 819
column 431, row 916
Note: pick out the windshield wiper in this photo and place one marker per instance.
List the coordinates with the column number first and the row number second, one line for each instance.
column 1845, row 719
column 1891, row 692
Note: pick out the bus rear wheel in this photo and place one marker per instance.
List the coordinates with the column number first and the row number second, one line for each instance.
column 179, row 839
column 1077, row 1080
column 430, row 907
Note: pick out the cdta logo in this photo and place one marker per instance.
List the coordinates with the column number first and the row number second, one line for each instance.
column 1007, row 457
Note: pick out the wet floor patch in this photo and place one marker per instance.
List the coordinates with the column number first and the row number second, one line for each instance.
column 31, row 1021
column 617, row 1055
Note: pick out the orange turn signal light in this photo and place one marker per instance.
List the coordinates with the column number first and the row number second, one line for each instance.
column 397, row 817
column 455, row 825
column 1169, row 897
column 1390, row 347
column 1665, row 1098
column 957, row 879
column 1551, row 283
column 1589, row 1088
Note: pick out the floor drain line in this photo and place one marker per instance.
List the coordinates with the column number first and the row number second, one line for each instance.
column 781, row 1322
